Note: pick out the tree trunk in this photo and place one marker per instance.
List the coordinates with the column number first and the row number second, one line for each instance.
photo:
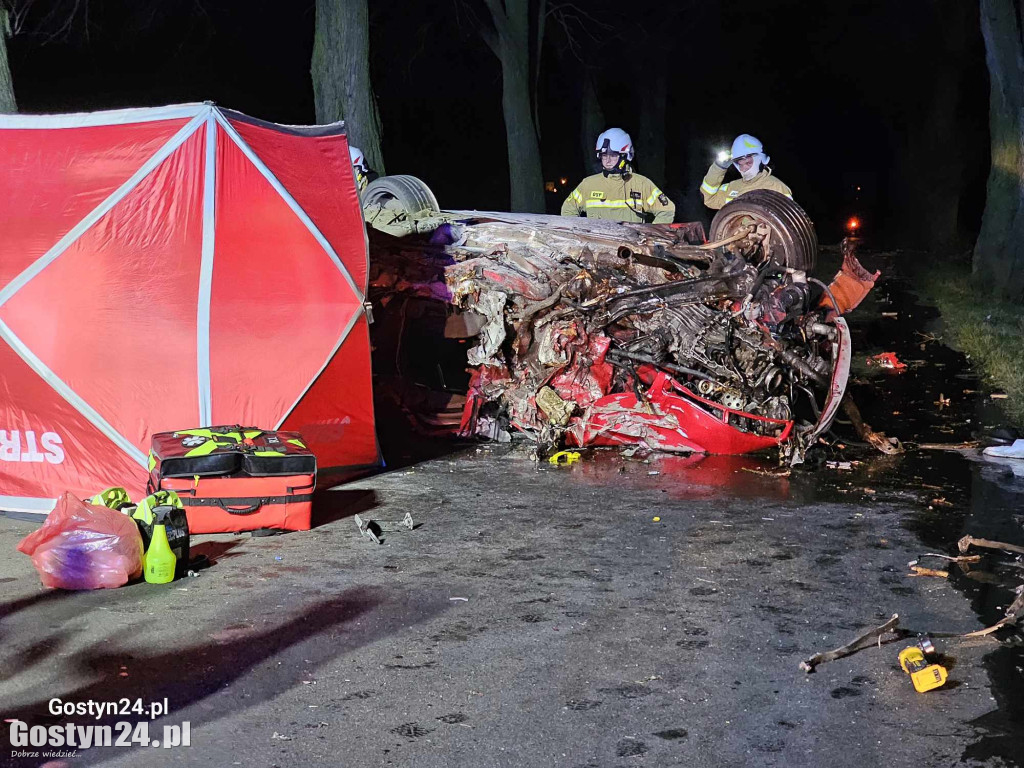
column 591, row 121
column 524, row 167
column 7, row 103
column 341, row 75
column 999, row 251
column 650, row 150
column 930, row 215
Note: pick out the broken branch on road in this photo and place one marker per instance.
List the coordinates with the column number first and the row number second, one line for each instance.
column 857, row 644
column 970, row 541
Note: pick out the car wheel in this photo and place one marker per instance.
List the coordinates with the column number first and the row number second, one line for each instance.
column 406, row 193
column 794, row 241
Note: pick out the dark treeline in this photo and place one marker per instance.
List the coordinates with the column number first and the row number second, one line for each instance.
column 867, row 107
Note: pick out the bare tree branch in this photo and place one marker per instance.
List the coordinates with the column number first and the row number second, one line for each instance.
column 501, row 25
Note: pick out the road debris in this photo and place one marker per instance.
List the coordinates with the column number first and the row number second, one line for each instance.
column 942, row 402
column 916, row 661
column 372, row 529
column 970, row 541
column 873, row 636
column 921, row 571
column 564, row 457
column 887, row 361
column 966, row 446
column 960, row 559
column 782, row 472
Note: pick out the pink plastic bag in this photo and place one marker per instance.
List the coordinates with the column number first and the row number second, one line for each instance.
column 82, row 546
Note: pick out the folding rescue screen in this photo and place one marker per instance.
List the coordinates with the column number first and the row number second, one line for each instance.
column 171, row 268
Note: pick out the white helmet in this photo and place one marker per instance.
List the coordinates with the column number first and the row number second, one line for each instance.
column 357, row 157
column 745, row 144
column 615, row 140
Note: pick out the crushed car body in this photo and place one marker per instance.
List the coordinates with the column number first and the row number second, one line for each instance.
column 588, row 333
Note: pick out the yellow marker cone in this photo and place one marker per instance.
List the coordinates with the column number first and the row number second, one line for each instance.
column 160, row 560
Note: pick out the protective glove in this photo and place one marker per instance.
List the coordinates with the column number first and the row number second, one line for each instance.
column 723, row 160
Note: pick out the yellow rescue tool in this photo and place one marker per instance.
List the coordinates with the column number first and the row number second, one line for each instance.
column 924, row 675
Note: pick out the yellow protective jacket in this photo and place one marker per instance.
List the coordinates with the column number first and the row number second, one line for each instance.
column 626, row 197
column 716, row 194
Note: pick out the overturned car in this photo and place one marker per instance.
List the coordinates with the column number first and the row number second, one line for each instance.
column 577, row 332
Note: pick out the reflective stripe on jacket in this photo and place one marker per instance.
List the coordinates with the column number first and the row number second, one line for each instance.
column 716, row 194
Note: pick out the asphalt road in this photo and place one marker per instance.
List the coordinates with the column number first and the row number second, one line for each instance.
column 541, row 616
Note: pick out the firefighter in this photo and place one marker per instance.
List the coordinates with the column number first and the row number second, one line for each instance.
column 363, row 173
column 618, row 194
column 750, row 160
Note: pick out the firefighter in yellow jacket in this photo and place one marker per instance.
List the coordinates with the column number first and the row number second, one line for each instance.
column 618, row 194
column 750, row 160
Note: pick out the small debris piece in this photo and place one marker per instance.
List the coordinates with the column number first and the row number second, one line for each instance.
column 767, row 472
column 365, row 529
column 942, row 402
column 946, row 447
column 999, row 396
column 890, row 314
column 968, row 541
column 941, row 502
column 960, row 559
column 921, row 571
column 845, row 466
column 458, row 599
column 656, row 519
column 857, row 644
column 887, row 360
column 871, row 491
column 281, row 736
column 564, row 457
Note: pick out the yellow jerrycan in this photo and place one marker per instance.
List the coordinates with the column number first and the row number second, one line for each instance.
column 160, row 560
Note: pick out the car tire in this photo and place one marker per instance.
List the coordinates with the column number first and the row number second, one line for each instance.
column 408, row 192
column 796, row 242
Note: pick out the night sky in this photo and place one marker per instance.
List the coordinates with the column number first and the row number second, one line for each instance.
column 837, row 92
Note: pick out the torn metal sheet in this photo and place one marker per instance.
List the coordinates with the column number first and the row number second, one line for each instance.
column 599, row 333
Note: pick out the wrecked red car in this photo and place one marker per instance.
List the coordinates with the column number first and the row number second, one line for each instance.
column 584, row 333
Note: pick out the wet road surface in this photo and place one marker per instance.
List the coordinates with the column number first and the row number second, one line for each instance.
column 539, row 615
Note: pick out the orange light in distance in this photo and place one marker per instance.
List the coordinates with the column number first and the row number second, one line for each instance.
column 853, row 224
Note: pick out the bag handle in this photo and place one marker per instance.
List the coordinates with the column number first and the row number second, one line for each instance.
column 243, row 511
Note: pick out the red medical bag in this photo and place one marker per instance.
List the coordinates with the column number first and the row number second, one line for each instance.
column 236, row 478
